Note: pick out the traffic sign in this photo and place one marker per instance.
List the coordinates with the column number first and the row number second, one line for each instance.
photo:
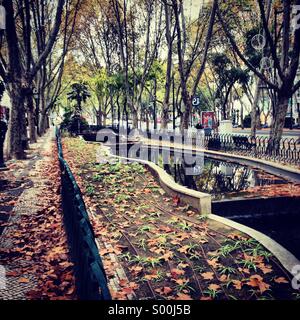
column 196, row 101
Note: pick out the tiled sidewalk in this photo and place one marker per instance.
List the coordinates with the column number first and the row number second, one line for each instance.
column 17, row 284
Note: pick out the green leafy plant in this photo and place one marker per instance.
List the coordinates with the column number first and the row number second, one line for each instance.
column 248, row 264
column 227, row 270
column 121, row 197
column 145, row 229
column 212, row 293
column 90, row 190
column 184, row 285
column 185, row 226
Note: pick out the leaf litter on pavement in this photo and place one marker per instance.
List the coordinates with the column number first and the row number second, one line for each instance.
column 40, row 244
column 166, row 248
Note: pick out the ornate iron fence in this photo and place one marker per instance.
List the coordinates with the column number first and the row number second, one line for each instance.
column 286, row 150
column 91, row 282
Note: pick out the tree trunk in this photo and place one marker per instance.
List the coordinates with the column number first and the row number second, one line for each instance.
column 188, row 110
column 165, row 115
column 47, row 122
column 99, row 117
column 31, row 123
column 225, row 108
column 278, row 122
column 254, row 119
column 119, row 111
column 165, row 107
column 147, row 122
column 112, row 107
column 16, row 123
column 135, row 120
column 31, row 120
column 43, row 122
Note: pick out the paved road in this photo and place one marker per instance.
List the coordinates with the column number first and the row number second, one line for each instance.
column 287, row 133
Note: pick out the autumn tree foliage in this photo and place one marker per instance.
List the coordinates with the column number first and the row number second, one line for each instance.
column 145, row 60
column 32, row 58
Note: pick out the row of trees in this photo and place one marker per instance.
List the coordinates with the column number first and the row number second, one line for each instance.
column 140, row 49
column 37, row 38
column 148, row 58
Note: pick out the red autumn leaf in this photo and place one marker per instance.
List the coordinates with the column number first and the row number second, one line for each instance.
column 12, row 274
column 176, row 201
column 182, row 281
column 280, row 280
column 154, row 275
column 203, row 298
column 237, row 284
column 23, row 280
column 214, row 287
column 265, row 268
column 164, row 291
column 257, row 281
column 207, row 275
column 184, row 249
column 183, row 296
column 213, row 263
column 136, row 269
column 123, row 283
column 223, row 278
column 177, row 272
column 133, row 285
column 167, row 256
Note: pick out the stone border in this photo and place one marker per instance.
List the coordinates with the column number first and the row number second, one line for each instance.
column 199, row 200
column 285, row 257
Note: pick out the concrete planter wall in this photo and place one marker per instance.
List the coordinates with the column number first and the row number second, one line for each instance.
column 198, row 200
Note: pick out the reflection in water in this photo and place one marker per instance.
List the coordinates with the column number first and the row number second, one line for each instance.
column 219, row 178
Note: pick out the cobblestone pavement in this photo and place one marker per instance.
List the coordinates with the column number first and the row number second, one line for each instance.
column 16, row 287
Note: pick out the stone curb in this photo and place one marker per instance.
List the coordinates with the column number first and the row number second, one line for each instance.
column 198, row 200
column 285, row 257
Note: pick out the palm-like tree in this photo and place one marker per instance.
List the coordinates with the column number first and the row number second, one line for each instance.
column 79, row 93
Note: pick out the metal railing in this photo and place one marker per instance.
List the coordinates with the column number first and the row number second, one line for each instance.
column 91, row 282
column 286, row 150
